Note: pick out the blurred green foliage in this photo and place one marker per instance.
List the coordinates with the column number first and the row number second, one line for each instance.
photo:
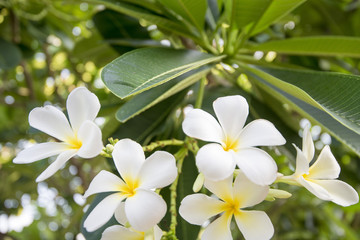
column 47, row 48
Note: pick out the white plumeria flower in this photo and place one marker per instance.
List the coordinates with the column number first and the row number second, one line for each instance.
column 233, row 144
column 320, row 178
column 198, row 208
column 82, row 138
column 117, row 232
column 143, row 207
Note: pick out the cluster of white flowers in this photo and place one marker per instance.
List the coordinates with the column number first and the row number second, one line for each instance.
column 133, row 197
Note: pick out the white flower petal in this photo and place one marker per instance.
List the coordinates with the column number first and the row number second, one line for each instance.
column 215, row 163
column 103, row 212
column 145, row 209
column 202, row 125
column 117, row 232
column 222, row 189
column 56, row 165
column 90, row 136
column 260, row 132
column 120, row 214
column 254, row 225
column 231, row 112
column 218, row 229
column 314, row 188
column 128, row 157
column 308, row 144
column 81, row 105
column 40, row 151
column 198, row 208
column 52, row 121
column 247, row 192
column 257, row 165
column 326, row 166
column 302, row 164
column 157, row 233
column 158, row 170
column 340, row 192
column 104, row 181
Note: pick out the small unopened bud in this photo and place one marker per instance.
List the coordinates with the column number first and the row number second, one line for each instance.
column 109, row 148
column 276, row 193
column 199, row 182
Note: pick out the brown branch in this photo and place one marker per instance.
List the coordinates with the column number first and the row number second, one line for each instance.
column 28, row 80
column 15, row 27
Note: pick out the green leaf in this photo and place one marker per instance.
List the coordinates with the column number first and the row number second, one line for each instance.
column 116, row 26
column 275, row 10
column 214, row 9
column 10, row 55
column 328, row 122
column 335, row 93
column 92, row 49
column 142, row 69
column 313, row 46
column 247, row 11
column 155, row 95
column 193, row 11
column 148, row 122
column 141, row 13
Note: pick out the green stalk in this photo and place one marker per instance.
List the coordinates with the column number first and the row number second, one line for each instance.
column 200, row 94
column 107, row 151
column 164, row 143
column 171, row 234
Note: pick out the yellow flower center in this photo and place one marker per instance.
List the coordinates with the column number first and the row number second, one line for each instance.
column 230, row 144
column 305, row 175
column 74, row 143
column 129, row 188
column 231, row 206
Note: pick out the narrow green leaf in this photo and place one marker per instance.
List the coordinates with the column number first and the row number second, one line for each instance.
column 141, row 13
column 148, row 123
column 114, row 26
column 91, row 49
column 247, row 11
column 275, row 10
column 10, row 55
column 193, row 11
column 142, row 69
column 328, row 123
column 155, row 95
column 214, row 9
column 313, row 46
column 334, row 93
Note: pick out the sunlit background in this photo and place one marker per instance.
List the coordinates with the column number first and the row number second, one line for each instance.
column 56, row 47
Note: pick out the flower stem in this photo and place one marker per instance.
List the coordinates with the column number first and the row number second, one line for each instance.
column 192, row 145
column 107, row 151
column 171, row 142
column 171, row 234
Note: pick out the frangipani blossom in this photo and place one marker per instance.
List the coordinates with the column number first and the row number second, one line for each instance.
column 143, row 207
column 117, row 232
column 233, row 143
column 81, row 138
column 320, row 178
column 198, row 208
